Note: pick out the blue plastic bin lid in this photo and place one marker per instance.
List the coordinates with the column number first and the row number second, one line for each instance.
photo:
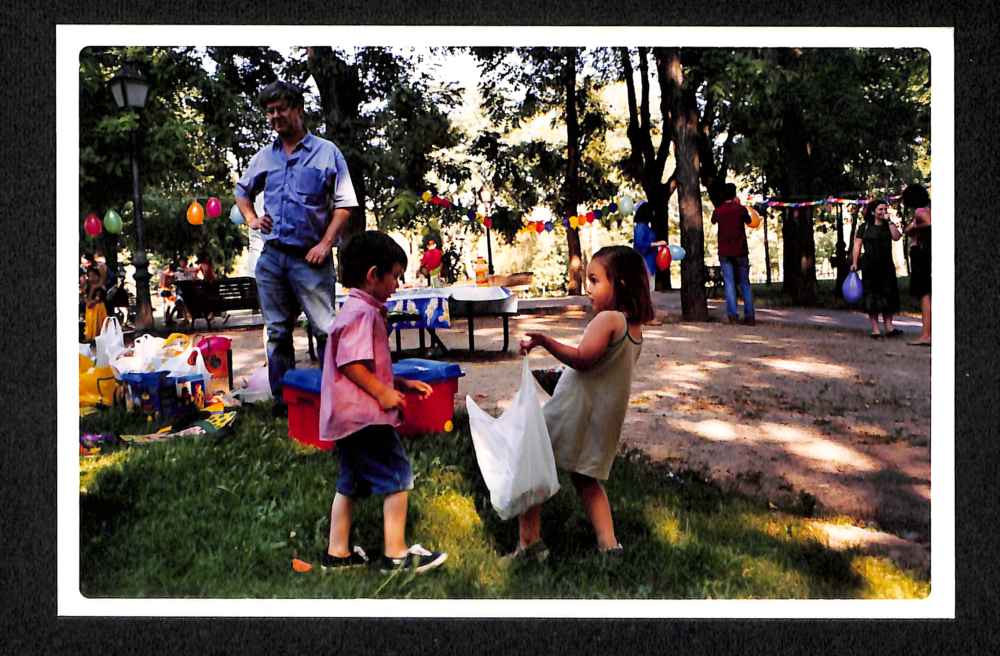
column 144, row 378
column 307, row 380
column 185, row 378
column 427, row 371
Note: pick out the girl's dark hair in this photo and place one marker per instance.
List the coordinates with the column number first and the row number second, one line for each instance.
column 365, row 250
column 915, row 196
column 93, row 269
column 871, row 207
column 627, row 273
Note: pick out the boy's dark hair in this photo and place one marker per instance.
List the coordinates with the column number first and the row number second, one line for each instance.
column 729, row 191
column 630, row 281
column 281, row 90
column 915, row 196
column 644, row 213
column 365, row 250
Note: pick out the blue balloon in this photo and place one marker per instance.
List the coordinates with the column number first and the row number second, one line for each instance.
column 235, row 215
column 597, row 213
column 677, row 253
column 613, row 207
column 852, row 289
column 549, row 226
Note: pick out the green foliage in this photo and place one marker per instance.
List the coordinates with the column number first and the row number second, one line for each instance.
column 222, row 518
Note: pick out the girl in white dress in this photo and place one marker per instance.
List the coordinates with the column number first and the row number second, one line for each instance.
column 587, row 409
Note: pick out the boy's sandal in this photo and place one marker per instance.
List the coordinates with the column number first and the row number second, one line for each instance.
column 357, row 558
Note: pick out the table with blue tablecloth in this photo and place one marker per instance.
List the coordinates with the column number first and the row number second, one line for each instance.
column 431, row 308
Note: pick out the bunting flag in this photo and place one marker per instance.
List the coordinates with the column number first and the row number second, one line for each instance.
column 830, row 200
column 570, row 222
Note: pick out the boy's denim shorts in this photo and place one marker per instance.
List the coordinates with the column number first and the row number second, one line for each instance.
column 372, row 461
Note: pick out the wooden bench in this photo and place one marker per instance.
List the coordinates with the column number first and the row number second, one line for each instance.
column 713, row 279
column 203, row 298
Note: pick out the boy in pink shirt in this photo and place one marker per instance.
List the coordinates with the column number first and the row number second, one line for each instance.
column 360, row 407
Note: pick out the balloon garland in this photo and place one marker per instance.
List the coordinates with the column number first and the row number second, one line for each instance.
column 830, row 200
column 573, row 222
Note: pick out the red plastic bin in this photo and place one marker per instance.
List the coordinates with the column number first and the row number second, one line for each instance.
column 300, row 390
column 433, row 414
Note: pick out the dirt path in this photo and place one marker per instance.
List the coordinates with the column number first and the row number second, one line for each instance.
column 800, row 416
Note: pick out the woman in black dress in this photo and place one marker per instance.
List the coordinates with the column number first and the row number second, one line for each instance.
column 878, row 271
column 916, row 198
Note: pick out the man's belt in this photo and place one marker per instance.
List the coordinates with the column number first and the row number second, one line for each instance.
column 287, row 249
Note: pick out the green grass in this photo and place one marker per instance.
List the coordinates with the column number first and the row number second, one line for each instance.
column 223, row 518
column 771, row 296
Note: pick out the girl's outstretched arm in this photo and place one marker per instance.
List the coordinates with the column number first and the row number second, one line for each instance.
column 596, row 338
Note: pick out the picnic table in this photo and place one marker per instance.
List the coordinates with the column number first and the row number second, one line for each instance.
column 205, row 298
column 431, row 308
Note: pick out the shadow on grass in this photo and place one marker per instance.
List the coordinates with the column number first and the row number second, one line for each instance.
column 223, row 518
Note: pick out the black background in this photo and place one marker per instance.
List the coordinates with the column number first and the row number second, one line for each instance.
column 27, row 311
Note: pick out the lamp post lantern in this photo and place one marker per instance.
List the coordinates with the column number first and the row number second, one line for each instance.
column 130, row 90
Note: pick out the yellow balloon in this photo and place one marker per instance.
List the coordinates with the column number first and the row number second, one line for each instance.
column 427, row 196
column 448, row 426
column 572, row 222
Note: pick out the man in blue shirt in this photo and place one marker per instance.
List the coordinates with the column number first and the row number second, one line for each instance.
column 308, row 198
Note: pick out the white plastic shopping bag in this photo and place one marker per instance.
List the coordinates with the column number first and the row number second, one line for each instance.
column 148, row 353
column 189, row 362
column 514, row 451
column 255, row 388
column 109, row 343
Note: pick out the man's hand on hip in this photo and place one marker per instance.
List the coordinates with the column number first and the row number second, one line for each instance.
column 263, row 224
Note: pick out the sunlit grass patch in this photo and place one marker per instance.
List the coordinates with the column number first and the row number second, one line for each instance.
column 882, row 579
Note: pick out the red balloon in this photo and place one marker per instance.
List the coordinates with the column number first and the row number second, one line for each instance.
column 590, row 217
column 92, row 225
column 488, row 222
column 213, row 207
column 663, row 258
column 539, row 226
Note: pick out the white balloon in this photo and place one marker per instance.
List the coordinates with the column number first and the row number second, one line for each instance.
column 235, row 215
column 626, row 206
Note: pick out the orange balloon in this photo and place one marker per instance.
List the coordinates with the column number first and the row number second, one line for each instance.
column 301, row 566
column 195, row 213
column 755, row 219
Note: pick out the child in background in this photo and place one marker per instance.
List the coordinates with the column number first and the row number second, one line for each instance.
column 360, row 407
column 94, row 297
column 584, row 417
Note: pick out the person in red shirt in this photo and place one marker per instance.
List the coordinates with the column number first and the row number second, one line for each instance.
column 734, row 256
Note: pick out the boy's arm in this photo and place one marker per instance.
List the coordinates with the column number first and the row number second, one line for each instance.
column 596, row 339
column 360, row 375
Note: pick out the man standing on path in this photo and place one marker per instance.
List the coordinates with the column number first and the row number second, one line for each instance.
column 734, row 256
column 308, row 198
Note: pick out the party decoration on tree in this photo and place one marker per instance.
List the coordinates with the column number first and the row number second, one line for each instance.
column 627, row 205
column 92, row 225
column 755, row 219
column 677, row 253
column 112, row 222
column 195, row 213
column 426, row 196
column 663, row 258
column 213, row 207
column 852, row 289
column 235, row 215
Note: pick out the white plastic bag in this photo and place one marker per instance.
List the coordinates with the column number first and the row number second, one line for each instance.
column 189, row 362
column 514, row 451
column 109, row 343
column 148, row 353
column 255, row 388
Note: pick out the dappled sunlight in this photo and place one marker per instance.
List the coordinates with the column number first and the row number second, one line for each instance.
column 664, row 525
column 718, row 354
column 710, row 429
column 676, row 339
column 91, row 466
column 811, row 367
column 715, row 366
column 830, row 455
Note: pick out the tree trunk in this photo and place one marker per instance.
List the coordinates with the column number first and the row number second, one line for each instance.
column 574, row 273
column 647, row 163
column 680, row 108
column 341, row 96
column 797, row 232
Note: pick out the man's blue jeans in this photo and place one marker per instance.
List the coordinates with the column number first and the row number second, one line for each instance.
column 731, row 268
column 287, row 285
